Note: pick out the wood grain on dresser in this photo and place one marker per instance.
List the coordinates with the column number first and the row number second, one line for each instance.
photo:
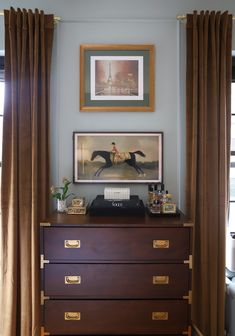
column 115, row 276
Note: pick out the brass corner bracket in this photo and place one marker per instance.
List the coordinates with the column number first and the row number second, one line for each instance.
column 188, row 332
column 43, row 298
column 43, row 261
column 43, row 332
column 188, row 297
column 188, row 224
column 42, row 224
column 189, row 261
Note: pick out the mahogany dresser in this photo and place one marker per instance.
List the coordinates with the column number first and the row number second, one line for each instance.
column 115, row 275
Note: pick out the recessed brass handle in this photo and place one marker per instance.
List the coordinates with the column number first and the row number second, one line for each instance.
column 161, row 244
column 72, row 243
column 72, row 316
column 159, row 316
column 160, row 279
column 72, row 279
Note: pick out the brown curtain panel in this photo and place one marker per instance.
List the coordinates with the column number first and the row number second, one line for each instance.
column 25, row 168
column 209, row 56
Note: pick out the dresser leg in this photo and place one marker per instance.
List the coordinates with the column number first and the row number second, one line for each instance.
column 43, row 332
column 188, row 332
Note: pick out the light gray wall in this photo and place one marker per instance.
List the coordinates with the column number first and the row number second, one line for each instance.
column 165, row 118
column 124, row 22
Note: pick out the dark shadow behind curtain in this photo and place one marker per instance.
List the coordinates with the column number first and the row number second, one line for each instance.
column 25, row 170
column 209, row 54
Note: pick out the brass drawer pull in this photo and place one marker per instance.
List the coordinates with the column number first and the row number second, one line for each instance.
column 160, row 279
column 72, row 244
column 72, row 316
column 72, row 279
column 161, row 244
column 160, row 316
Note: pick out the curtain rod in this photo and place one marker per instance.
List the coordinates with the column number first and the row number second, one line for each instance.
column 56, row 18
column 184, row 17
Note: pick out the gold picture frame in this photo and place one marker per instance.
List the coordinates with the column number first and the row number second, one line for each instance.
column 117, row 77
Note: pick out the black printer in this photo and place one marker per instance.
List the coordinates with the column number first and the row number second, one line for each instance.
column 101, row 206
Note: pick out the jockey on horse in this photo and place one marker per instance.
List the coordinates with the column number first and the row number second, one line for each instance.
column 116, row 156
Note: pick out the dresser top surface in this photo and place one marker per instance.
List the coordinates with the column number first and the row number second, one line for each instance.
column 61, row 219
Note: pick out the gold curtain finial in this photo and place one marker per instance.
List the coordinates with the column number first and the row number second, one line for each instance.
column 181, row 17
column 57, row 19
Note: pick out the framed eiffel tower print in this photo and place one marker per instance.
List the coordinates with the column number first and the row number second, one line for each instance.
column 117, row 77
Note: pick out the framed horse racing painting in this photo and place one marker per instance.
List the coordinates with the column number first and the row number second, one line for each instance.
column 117, row 77
column 118, row 157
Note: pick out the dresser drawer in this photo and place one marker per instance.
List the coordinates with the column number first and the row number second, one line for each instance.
column 116, row 280
column 120, row 317
column 120, row 244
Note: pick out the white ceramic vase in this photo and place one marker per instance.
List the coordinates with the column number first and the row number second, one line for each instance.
column 61, row 205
